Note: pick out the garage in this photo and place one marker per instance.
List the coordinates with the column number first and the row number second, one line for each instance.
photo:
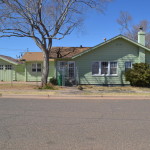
column 7, row 68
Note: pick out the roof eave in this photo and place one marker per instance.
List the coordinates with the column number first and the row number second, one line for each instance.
column 12, row 62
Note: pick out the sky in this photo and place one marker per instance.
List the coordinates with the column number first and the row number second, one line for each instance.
column 96, row 27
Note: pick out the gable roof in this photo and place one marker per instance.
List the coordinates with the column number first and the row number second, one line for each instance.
column 10, row 60
column 73, row 52
column 56, row 52
column 108, row 41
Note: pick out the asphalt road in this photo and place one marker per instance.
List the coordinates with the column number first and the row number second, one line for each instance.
column 36, row 124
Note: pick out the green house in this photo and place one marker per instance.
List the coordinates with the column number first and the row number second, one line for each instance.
column 103, row 64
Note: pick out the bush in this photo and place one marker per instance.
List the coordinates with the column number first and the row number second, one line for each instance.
column 139, row 75
column 53, row 81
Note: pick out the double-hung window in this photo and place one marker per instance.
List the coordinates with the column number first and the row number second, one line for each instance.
column 104, row 68
column 128, row 65
column 36, row 67
column 113, row 68
column 95, row 68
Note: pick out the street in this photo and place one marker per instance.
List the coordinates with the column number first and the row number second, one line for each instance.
column 46, row 124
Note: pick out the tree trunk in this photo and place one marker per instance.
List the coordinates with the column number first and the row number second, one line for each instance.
column 45, row 71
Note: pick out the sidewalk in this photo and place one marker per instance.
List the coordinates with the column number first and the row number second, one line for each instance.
column 63, row 94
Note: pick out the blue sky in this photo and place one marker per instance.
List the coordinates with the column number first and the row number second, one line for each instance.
column 96, row 27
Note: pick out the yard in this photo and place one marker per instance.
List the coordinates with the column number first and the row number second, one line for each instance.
column 32, row 88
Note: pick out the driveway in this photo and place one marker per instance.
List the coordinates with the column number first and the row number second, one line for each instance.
column 46, row 124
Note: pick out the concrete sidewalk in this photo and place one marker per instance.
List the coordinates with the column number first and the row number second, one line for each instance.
column 98, row 97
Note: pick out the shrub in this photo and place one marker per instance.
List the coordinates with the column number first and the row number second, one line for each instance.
column 53, row 81
column 139, row 75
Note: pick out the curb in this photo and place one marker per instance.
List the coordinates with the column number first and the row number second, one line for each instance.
column 77, row 97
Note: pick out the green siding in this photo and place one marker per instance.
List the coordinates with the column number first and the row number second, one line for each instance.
column 118, row 50
column 36, row 76
column 147, row 57
column 20, row 72
column 141, row 55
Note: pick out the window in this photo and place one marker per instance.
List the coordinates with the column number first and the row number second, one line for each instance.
column 95, row 68
column 113, row 68
column 1, row 67
column 62, row 65
column 128, row 65
column 8, row 67
column 66, row 68
column 36, row 67
column 104, row 68
column 71, row 69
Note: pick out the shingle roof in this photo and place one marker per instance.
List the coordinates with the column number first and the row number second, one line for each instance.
column 10, row 59
column 56, row 52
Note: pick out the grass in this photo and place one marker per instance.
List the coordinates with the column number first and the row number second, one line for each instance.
column 116, row 90
column 49, row 87
column 32, row 88
column 17, row 86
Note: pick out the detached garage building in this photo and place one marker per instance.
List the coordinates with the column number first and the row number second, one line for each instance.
column 10, row 69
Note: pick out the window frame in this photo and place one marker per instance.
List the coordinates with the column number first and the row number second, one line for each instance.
column 36, row 67
column 66, row 67
column 126, row 69
column 100, row 69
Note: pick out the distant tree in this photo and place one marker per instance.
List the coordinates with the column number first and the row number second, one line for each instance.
column 130, row 30
column 43, row 21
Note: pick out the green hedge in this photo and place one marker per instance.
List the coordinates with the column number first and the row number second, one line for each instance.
column 139, row 75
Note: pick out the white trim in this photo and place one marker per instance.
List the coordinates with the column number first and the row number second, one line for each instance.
column 102, row 75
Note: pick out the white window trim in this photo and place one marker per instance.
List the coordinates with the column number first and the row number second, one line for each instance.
column 102, row 75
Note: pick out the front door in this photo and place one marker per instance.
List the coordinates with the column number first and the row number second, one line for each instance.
column 67, row 70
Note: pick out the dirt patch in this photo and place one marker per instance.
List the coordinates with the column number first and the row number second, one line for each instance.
column 17, row 86
column 32, row 88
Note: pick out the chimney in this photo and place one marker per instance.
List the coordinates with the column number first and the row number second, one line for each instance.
column 141, row 36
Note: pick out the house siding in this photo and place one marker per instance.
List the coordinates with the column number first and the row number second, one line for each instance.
column 118, row 50
column 36, row 76
column 20, row 72
column 147, row 57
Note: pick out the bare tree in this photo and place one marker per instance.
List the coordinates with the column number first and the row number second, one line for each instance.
column 130, row 30
column 43, row 21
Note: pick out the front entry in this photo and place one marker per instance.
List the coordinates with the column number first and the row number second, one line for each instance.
column 67, row 71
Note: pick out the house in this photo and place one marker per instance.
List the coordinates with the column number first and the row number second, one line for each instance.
column 103, row 64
